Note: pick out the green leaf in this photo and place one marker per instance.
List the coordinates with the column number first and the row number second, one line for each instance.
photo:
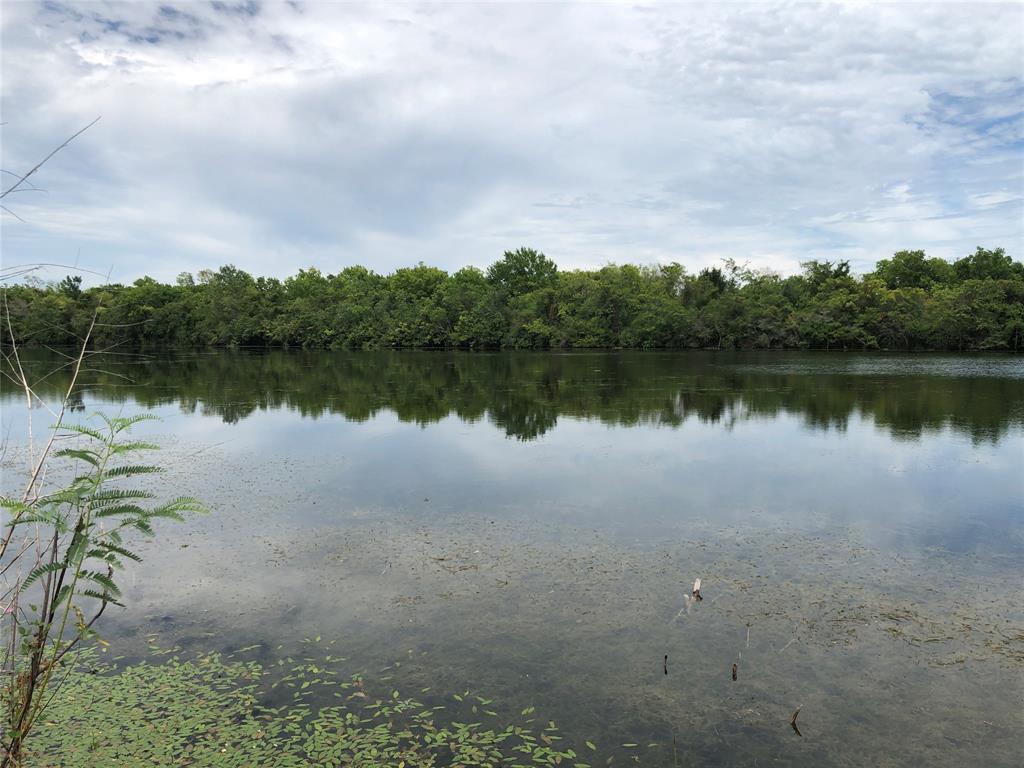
column 103, row 580
column 41, row 570
column 81, row 429
column 132, row 447
column 117, row 549
column 129, row 470
column 90, row 457
column 121, row 509
column 104, row 596
column 62, row 595
column 108, row 496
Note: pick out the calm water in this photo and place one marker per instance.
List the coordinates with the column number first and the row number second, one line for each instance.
column 528, row 526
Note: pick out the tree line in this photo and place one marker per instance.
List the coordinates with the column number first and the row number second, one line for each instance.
column 523, row 301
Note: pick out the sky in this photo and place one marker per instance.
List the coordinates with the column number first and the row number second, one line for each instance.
column 279, row 136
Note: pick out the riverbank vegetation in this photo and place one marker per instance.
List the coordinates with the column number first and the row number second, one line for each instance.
column 908, row 302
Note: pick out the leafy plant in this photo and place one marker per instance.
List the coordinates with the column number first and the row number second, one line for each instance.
column 60, row 549
column 74, row 540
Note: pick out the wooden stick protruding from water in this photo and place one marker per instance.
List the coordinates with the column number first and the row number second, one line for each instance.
column 792, row 720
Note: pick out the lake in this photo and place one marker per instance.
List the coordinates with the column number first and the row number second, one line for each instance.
column 528, row 526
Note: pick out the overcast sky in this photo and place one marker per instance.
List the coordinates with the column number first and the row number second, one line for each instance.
column 280, row 136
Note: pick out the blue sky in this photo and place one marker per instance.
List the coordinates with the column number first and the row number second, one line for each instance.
column 276, row 136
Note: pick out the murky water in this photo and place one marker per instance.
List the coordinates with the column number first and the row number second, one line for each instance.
column 528, row 526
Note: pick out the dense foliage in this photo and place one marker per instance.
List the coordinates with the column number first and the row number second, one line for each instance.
column 523, row 301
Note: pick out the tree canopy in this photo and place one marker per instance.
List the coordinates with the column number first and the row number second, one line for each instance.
column 908, row 302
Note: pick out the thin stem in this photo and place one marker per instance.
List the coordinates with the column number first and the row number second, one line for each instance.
column 42, row 162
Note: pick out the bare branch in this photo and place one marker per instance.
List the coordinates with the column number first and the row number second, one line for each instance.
column 40, row 164
column 8, row 210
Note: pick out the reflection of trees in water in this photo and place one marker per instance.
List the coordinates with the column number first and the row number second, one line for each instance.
column 525, row 393
column 76, row 401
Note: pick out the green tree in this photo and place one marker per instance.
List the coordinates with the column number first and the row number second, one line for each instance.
column 988, row 265
column 912, row 269
column 522, row 271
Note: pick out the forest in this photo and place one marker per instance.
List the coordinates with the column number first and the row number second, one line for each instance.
column 523, row 301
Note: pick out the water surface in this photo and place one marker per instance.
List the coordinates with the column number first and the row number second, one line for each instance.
column 528, row 526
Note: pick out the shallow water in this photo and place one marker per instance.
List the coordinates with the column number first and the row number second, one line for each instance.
column 528, row 526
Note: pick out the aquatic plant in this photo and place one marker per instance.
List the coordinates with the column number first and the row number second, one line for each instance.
column 214, row 710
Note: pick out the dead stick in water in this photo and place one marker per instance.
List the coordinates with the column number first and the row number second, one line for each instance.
column 666, row 664
column 734, row 668
column 748, row 635
column 792, row 720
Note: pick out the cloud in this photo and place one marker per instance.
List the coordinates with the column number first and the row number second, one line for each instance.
column 277, row 136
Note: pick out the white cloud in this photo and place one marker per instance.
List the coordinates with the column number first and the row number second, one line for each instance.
column 282, row 135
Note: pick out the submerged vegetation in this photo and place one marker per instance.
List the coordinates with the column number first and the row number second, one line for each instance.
column 796, row 640
column 909, row 302
column 211, row 710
